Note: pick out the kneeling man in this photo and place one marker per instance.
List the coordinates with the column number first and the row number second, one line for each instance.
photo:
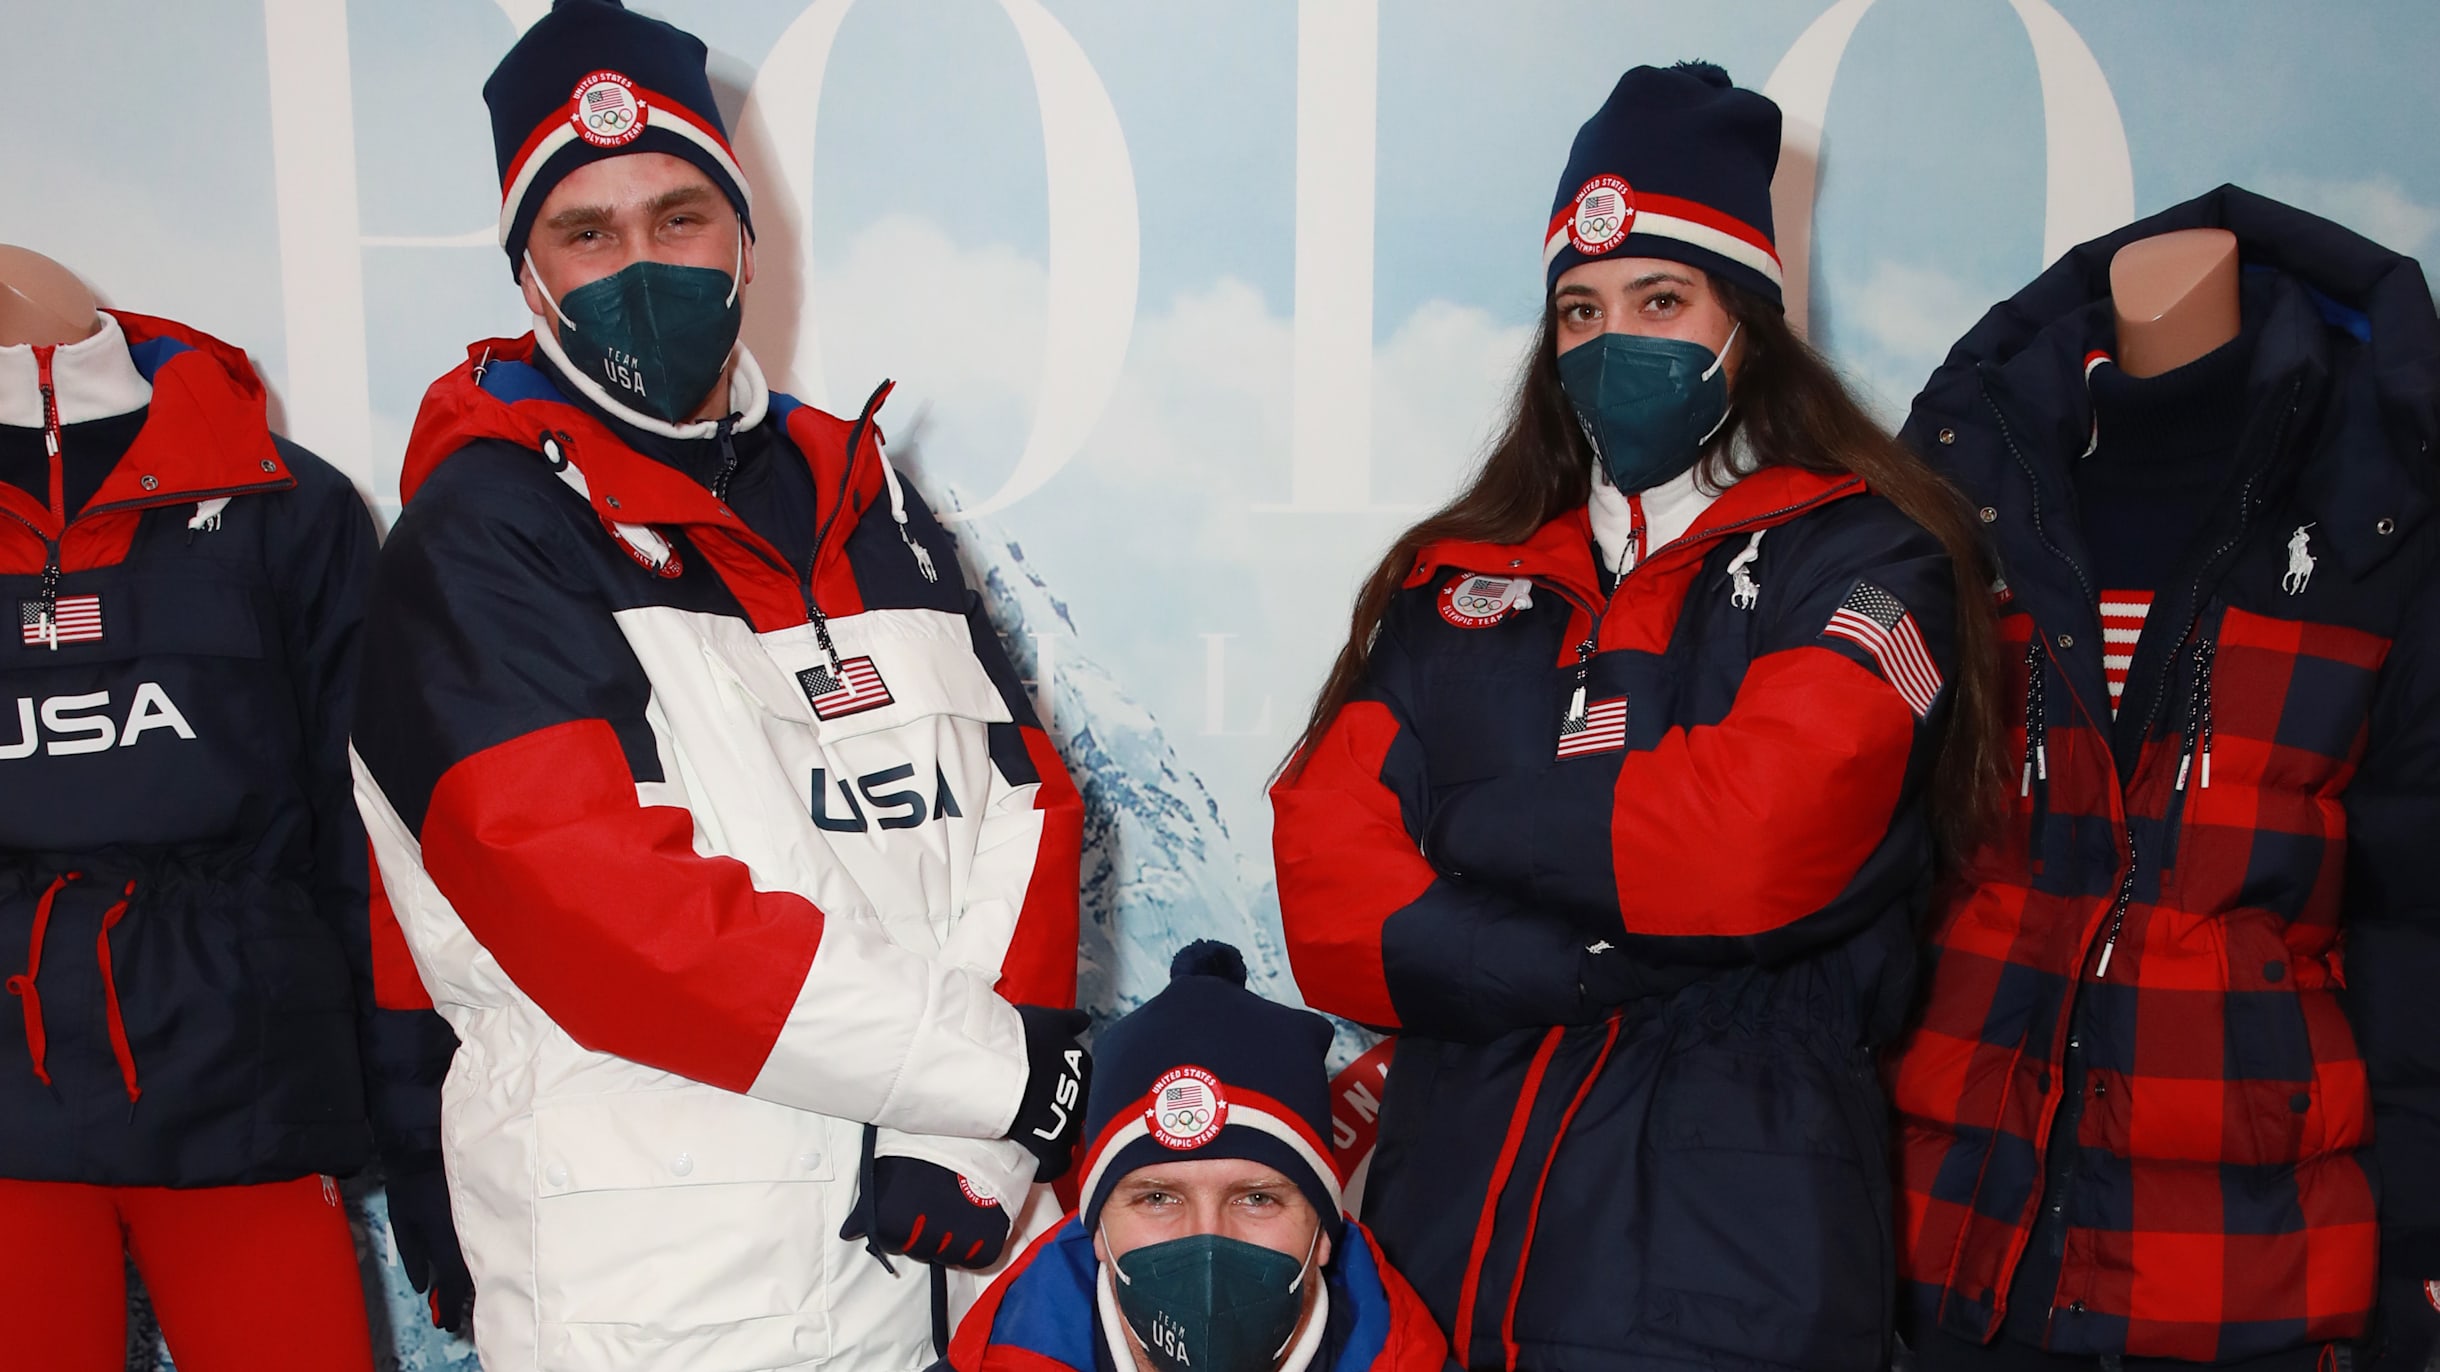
column 1210, row 1236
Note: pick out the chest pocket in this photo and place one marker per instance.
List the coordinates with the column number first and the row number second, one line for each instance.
column 158, row 717
column 883, row 754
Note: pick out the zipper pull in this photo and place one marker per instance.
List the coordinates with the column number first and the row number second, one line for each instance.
column 50, row 594
column 1575, row 703
column 2102, row 971
column 50, row 421
column 1575, row 707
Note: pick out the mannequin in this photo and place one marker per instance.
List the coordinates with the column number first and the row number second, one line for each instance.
column 42, row 302
column 2176, row 298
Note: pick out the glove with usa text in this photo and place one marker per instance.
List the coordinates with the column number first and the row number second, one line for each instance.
column 927, row 1212
column 1050, row 1118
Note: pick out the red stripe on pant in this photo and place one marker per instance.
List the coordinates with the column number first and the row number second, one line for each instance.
column 1533, row 1213
column 242, row 1278
column 1462, row 1340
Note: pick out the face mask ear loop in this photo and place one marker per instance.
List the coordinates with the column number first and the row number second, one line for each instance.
column 737, row 267
column 1117, row 1271
column 545, row 291
column 1722, row 360
column 1716, row 365
column 1298, row 1284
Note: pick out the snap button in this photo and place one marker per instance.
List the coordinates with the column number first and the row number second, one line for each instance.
column 2100, row 1087
column 557, row 1175
column 683, row 1164
column 2273, row 970
column 2075, row 1307
column 2300, row 1102
column 809, row 1159
column 2384, row 526
column 1989, row 515
column 1519, row 562
column 1948, row 435
column 2067, row 640
column 149, row 482
column 270, row 466
column 612, row 501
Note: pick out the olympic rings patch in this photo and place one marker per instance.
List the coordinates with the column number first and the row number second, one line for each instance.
column 1187, row 1108
column 1478, row 602
column 1605, row 211
column 606, row 110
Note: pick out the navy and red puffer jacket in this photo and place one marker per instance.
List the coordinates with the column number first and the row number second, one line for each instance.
column 2141, row 1097
column 196, row 991
column 1636, row 964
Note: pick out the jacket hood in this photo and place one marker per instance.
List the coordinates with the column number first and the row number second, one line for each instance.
column 2348, row 318
column 501, row 392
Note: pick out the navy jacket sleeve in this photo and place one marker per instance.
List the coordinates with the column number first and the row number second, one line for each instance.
column 320, row 575
column 1375, row 932
column 2391, row 921
column 1791, row 821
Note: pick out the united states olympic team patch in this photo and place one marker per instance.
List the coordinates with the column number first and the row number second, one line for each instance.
column 1187, row 1108
column 1605, row 210
column 1478, row 602
column 607, row 111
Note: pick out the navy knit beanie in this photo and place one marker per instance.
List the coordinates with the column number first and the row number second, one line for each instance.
column 1208, row 1069
column 1676, row 164
column 590, row 80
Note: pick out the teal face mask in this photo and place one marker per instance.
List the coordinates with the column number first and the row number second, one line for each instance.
column 1647, row 404
column 653, row 334
column 1208, row 1303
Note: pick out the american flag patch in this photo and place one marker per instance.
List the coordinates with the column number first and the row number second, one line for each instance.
column 857, row 687
column 1875, row 621
column 76, row 619
column 1603, row 729
column 2122, row 617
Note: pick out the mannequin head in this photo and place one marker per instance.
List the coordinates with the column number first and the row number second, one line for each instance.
column 42, row 302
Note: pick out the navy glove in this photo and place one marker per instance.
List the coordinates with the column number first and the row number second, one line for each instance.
column 428, row 1244
column 926, row 1212
column 2408, row 1323
column 1050, row 1118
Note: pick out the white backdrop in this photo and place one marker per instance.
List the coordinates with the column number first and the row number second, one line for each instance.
column 1192, row 306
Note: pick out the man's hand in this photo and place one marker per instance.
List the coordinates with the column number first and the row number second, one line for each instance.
column 427, row 1242
column 929, row 1213
column 1050, row 1118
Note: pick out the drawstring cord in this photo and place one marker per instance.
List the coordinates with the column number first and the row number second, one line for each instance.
column 110, row 995
column 22, row 986
column 898, row 511
column 37, row 1044
column 2198, row 719
column 2037, row 746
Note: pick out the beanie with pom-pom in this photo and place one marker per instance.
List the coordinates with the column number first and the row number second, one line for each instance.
column 1208, row 1069
column 1676, row 164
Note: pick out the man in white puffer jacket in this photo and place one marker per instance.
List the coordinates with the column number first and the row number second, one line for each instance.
column 712, row 814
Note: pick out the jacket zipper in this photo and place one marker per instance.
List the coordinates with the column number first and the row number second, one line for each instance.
column 2194, row 615
column 50, row 545
column 813, row 560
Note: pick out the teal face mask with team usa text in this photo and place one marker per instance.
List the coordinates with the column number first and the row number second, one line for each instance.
column 1647, row 404
column 1210, row 1303
column 654, row 335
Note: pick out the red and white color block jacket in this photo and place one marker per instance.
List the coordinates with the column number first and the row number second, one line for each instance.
column 711, row 860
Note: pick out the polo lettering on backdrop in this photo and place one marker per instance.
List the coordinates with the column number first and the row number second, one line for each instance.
column 2089, row 176
column 1095, row 247
column 71, row 725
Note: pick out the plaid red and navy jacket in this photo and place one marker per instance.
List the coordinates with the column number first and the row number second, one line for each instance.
column 2172, row 995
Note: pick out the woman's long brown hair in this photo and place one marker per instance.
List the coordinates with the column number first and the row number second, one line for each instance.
column 1794, row 412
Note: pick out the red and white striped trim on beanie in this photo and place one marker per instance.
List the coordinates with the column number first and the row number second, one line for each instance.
column 658, row 112
column 1658, row 216
column 1245, row 1110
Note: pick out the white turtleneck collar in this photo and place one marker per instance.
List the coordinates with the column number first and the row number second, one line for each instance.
column 90, row 379
column 749, row 394
column 1670, row 509
column 1114, row 1326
